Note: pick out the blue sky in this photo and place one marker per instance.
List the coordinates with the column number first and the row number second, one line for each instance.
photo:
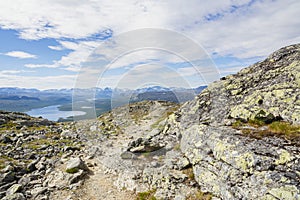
column 45, row 46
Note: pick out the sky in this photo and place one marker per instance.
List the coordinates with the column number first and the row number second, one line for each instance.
column 54, row 44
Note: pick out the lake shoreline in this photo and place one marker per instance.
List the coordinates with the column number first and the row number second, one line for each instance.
column 53, row 113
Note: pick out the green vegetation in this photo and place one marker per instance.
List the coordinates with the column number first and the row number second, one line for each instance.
column 3, row 160
column 277, row 128
column 148, row 195
column 8, row 126
column 284, row 128
column 72, row 170
column 256, row 122
column 38, row 143
column 200, row 196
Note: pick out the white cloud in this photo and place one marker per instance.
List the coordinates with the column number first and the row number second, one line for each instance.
column 63, row 19
column 20, row 54
column 45, row 82
column 241, row 29
column 41, row 66
column 71, row 61
column 56, row 48
column 9, row 72
column 253, row 31
column 250, row 30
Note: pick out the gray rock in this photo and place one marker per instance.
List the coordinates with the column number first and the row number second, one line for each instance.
column 17, row 196
column 7, row 177
column 71, row 148
column 5, row 139
column 74, row 164
column 226, row 161
column 8, row 168
column 76, row 177
column 14, row 189
column 38, row 191
column 128, row 155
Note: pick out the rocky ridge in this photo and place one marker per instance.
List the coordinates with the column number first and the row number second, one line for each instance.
column 217, row 131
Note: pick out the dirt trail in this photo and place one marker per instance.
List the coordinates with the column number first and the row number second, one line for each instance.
column 100, row 183
column 98, row 186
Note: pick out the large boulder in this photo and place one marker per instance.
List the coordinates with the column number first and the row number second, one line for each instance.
column 225, row 160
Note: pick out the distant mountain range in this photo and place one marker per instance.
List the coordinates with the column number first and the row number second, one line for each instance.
column 24, row 99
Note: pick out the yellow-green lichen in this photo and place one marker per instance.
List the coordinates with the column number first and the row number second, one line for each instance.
column 279, row 93
column 208, row 178
column 284, row 157
column 221, row 150
column 287, row 192
column 268, row 197
column 197, row 157
column 245, row 162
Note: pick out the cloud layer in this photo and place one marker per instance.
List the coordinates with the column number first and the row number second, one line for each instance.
column 20, row 54
column 240, row 29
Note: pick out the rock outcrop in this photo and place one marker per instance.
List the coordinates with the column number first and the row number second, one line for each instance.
column 226, row 132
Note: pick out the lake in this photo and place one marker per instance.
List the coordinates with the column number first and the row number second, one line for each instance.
column 53, row 113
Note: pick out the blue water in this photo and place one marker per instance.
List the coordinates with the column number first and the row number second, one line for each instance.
column 53, row 113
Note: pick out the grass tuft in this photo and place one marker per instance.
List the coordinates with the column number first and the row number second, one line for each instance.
column 148, row 195
column 281, row 129
column 72, row 170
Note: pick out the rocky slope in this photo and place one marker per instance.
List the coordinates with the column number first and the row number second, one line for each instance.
column 238, row 139
column 241, row 134
column 31, row 148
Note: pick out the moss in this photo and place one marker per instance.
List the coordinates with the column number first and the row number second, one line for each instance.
column 277, row 128
column 72, row 170
column 284, row 127
column 256, row 122
column 199, row 195
column 148, row 195
column 237, row 124
column 4, row 160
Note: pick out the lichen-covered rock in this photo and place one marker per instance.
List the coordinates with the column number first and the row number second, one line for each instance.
column 16, row 196
column 271, row 87
column 14, row 189
column 227, row 162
